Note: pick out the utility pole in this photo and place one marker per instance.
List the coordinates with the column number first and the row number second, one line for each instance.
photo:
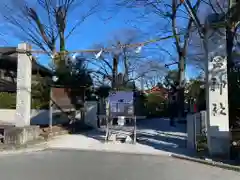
column 193, row 15
column 231, row 19
column 230, row 38
column 230, row 31
column 182, row 62
column 230, row 35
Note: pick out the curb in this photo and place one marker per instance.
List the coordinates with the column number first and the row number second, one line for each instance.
column 25, row 150
column 33, row 147
column 208, row 162
column 154, row 154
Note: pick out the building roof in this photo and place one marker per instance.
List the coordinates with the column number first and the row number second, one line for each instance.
column 62, row 98
column 156, row 89
column 161, row 90
column 8, row 60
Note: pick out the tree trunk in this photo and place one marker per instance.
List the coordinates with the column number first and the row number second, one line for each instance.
column 230, row 33
column 114, row 71
column 181, row 77
column 125, row 76
column 230, row 38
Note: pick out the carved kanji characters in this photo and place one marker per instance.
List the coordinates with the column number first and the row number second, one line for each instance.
column 218, row 109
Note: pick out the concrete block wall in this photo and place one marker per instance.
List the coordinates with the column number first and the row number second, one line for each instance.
column 41, row 117
column 38, row 117
column 21, row 135
column 196, row 125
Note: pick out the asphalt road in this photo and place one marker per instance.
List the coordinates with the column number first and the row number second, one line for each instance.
column 86, row 165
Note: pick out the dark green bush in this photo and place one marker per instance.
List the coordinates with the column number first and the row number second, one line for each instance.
column 7, row 100
column 156, row 105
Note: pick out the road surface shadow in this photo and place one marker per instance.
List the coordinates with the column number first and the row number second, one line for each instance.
column 158, row 134
column 155, row 133
column 95, row 134
column 164, row 142
column 161, row 124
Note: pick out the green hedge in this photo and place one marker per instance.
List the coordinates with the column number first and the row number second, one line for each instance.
column 8, row 101
column 156, row 106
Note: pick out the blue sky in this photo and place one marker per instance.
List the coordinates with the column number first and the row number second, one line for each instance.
column 94, row 30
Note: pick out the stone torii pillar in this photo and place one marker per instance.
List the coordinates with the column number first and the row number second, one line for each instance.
column 24, row 78
column 218, row 135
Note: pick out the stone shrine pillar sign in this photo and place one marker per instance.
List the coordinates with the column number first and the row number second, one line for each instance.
column 24, row 78
column 218, row 135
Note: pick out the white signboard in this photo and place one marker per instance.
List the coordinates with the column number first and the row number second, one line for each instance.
column 121, row 96
column 218, row 90
column 121, row 100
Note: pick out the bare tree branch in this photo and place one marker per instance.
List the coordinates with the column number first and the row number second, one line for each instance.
column 46, row 22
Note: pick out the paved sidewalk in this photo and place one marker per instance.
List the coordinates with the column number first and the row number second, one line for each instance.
column 158, row 133
column 84, row 142
column 29, row 149
column 155, row 136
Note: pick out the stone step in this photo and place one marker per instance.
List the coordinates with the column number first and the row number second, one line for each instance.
column 121, row 138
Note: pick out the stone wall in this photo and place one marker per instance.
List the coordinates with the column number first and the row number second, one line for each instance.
column 38, row 117
column 21, row 135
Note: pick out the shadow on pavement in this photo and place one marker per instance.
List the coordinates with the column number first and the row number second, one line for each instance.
column 161, row 124
column 95, row 134
column 154, row 133
column 158, row 134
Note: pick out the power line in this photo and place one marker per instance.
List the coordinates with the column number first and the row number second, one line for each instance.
column 134, row 45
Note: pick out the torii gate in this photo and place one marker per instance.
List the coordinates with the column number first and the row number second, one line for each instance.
column 24, row 79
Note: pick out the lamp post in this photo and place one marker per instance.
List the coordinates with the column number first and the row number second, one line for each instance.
column 54, row 79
